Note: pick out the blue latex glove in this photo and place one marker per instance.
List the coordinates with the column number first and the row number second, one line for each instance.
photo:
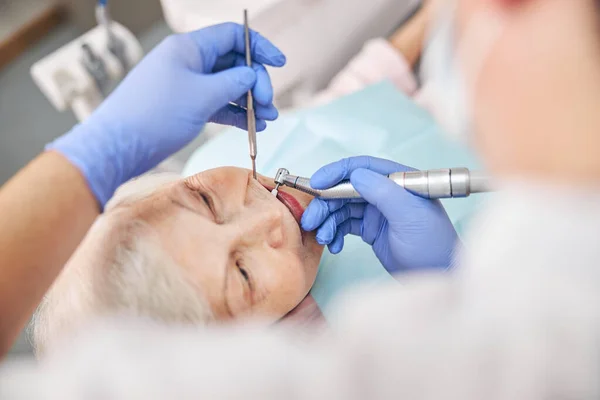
column 405, row 231
column 185, row 82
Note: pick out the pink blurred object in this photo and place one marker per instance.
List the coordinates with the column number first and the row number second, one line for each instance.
column 377, row 61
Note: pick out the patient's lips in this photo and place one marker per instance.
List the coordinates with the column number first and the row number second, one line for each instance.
column 290, row 202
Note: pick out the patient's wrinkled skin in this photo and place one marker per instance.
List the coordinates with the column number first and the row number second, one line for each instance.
column 236, row 241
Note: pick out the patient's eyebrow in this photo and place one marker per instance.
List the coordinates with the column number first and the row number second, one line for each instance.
column 178, row 203
column 183, row 204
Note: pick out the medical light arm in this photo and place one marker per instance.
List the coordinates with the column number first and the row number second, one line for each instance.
column 429, row 184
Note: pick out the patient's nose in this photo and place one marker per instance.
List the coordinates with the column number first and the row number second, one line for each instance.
column 263, row 226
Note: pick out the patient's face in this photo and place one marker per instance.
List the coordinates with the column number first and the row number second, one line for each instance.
column 238, row 243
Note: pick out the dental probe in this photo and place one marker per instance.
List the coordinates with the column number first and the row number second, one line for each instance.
column 250, row 106
column 429, row 184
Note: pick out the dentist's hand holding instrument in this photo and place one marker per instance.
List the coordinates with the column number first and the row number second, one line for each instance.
column 406, row 232
column 186, row 81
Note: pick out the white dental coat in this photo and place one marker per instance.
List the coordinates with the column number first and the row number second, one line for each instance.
column 518, row 319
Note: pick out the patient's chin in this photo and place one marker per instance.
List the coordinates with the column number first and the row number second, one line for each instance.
column 305, row 314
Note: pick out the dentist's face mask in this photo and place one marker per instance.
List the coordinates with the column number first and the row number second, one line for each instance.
column 452, row 67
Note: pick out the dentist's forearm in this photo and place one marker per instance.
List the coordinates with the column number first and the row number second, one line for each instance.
column 45, row 211
column 409, row 39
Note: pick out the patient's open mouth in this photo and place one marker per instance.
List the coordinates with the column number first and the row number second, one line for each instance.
column 290, row 202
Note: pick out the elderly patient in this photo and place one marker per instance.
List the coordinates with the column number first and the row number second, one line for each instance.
column 213, row 247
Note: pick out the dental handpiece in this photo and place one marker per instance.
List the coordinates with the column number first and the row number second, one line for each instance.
column 429, row 184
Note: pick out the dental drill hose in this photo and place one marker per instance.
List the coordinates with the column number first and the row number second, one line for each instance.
column 429, row 184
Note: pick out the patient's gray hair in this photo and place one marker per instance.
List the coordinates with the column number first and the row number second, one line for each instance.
column 127, row 273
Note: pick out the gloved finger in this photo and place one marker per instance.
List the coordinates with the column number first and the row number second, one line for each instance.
column 262, row 90
column 352, row 227
column 389, row 198
column 371, row 231
column 269, row 112
column 336, row 246
column 332, row 174
column 218, row 40
column 327, row 231
column 317, row 212
column 224, row 87
column 235, row 116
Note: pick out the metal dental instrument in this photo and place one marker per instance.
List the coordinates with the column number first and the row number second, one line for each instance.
column 279, row 180
column 250, row 106
column 429, row 184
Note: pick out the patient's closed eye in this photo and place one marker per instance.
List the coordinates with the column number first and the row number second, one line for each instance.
column 247, row 283
column 206, row 200
column 243, row 272
column 210, row 204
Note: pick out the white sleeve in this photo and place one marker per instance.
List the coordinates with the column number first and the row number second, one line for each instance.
column 519, row 320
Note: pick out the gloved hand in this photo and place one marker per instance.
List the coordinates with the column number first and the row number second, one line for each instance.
column 406, row 232
column 185, row 82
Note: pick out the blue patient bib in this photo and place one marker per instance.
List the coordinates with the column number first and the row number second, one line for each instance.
column 379, row 121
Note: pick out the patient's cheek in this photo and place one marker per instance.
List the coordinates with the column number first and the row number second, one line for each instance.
column 298, row 279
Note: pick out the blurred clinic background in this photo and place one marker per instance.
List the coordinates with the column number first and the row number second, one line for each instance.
column 54, row 71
